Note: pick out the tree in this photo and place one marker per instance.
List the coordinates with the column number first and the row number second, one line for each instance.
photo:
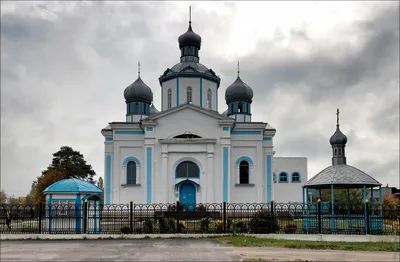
column 66, row 163
column 3, row 197
column 100, row 184
column 72, row 164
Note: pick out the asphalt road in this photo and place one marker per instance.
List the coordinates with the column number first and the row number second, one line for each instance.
column 167, row 250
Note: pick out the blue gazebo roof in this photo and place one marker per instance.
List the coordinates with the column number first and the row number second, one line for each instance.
column 72, row 185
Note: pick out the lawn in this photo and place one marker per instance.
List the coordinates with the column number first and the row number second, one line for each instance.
column 245, row 241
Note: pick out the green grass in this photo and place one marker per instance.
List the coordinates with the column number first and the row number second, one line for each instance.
column 244, row 241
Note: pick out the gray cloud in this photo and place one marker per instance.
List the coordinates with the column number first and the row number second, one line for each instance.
column 65, row 66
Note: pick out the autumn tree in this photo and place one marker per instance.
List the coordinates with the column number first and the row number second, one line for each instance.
column 66, row 163
column 3, row 197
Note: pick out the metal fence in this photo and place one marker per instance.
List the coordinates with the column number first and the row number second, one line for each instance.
column 224, row 217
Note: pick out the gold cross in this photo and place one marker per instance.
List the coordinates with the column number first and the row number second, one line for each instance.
column 139, row 69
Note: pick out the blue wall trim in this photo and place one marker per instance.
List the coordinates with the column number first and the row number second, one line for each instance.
column 269, row 178
column 225, row 173
column 246, row 158
column 108, row 178
column 131, row 158
column 246, row 132
column 267, row 139
column 129, row 132
column 149, row 128
column 109, row 138
column 177, row 91
column 149, row 162
column 225, row 128
column 201, row 92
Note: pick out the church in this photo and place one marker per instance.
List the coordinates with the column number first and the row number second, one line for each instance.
column 187, row 150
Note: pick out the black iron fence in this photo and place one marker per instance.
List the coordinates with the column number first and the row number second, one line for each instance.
column 316, row 218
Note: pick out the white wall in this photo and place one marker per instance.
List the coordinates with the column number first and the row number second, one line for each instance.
column 290, row 191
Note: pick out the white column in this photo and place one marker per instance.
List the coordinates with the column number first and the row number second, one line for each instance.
column 251, row 174
column 164, row 176
column 237, row 174
column 137, row 174
column 210, row 178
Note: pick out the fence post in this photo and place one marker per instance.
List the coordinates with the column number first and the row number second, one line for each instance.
column 40, row 218
column 85, row 207
column 367, row 224
column 178, row 228
column 224, row 215
column 272, row 217
column 319, row 216
column 131, row 216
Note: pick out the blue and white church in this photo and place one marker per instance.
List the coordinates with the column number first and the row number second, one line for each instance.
column 188, row 150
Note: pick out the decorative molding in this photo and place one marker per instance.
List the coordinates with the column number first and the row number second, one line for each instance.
column 244, row 185
column 129, row 132
column 131, row 185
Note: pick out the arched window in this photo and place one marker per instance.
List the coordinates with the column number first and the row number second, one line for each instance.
column 187, row 169
column 240, row 108
column 169, row 98
column 209, row 98
column 340, row 151
column 131, row 173
column 335, row 151
column 231, row 107
column 283, row 177
column 189, row 94
column 295, row 177
column 244, row 172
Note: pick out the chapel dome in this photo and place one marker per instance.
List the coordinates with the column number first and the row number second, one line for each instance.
column 138, row 91
column 189, row 38
column 238, row 91
column 338, row 138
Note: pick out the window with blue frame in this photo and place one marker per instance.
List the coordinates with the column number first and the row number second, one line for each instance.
column 187, row 169
column 295, row 177
column 283, row 177
column 169, row 98
column 131, row 173
column 244, row 172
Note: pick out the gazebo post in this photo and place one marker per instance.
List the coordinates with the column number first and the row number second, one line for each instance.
column 365, row 207
column 333, row 207
column 308, row 210
column 372, row 200
column 348, row 209
column 380, row 205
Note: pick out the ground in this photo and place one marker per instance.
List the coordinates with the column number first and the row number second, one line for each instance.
column 169, row 250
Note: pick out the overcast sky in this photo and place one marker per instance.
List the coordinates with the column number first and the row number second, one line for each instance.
column 65, row 65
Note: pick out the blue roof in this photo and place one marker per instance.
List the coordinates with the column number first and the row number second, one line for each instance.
column 73, row 185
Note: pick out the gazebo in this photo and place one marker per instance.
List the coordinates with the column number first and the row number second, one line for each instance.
column 341, row 176
column 73, row 205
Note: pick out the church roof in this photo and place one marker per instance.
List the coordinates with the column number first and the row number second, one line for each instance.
column 72, row 185
column 189, row 68
column 138, row 91
column 341, row 175
column 238, row 91
column 188, row 105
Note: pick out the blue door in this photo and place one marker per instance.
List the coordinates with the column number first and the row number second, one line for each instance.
column 187, row 195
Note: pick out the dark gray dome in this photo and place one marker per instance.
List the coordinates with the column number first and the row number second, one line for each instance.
column 138, row 91
column 189, row 38
column 153, row 110
column 238, row 91
column 338, row 138
column 341, row 175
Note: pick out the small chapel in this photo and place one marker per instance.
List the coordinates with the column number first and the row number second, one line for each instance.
column 188, row 150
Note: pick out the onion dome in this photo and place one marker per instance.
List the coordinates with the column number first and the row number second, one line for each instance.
column 238, row 91
column 338, row 138
column 138, row 91
column 189, row 38
column 153, row 110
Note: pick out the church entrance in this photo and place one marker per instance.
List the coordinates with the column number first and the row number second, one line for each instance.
column 187, row 195
column 187, row 191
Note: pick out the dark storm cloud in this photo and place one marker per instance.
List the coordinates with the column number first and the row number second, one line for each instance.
column 65, row 66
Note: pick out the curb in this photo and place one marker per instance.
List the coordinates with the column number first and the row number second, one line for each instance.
column 316, row 237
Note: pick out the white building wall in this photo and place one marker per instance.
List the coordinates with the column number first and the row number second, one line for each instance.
column 289, row 191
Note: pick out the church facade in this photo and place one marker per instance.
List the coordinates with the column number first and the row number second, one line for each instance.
column 190, row 152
